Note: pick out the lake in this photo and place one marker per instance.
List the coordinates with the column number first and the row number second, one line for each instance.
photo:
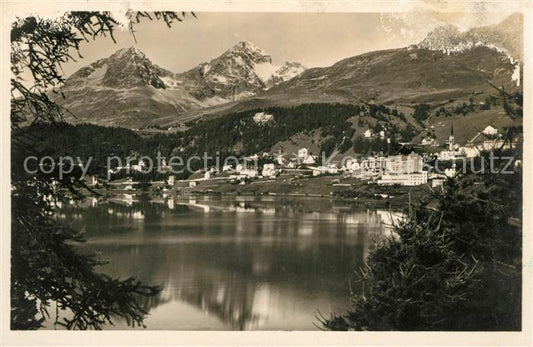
column 233, row 263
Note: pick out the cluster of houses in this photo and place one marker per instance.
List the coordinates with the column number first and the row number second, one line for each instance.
column 404, row 170
column 488, row 139
column 139, row 167
column 370, row 134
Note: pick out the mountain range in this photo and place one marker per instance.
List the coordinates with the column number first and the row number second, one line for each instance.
column 126, row 89
column 242, row 71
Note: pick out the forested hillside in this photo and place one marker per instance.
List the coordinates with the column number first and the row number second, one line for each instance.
column 337, row 126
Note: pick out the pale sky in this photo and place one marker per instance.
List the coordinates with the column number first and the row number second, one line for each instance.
column 313, row 39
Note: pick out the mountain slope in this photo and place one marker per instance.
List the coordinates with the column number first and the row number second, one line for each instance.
column 404, row 75
column 125, row 68
column 399, row 76
column 127, row 89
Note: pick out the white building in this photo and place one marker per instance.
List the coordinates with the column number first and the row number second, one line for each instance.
column 411, row 179
column 372, row 167
column 269, row 170
column 251, row 173
column 262, row 117
column 489, row 130
column 437, row 182
column 368, row 133
column 170, row 204
column 451, row 153
column 469, row 152
column 436, row 179
column 448, row 155
column 493, row 143
column 405, row 170
column 227, row 168
column 333, row 169
column 303, row 153
column 404, row 164
column 309, row 160
column 451, row 172
column 488, row 140
column 319, row 170
column 352, row 165
column 428, row 141
column 171, row 180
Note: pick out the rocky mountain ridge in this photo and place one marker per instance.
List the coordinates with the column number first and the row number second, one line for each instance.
column 242, row 71
column 127, row 89
column 505, row 37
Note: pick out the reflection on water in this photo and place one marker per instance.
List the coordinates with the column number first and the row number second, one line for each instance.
column 236, row 263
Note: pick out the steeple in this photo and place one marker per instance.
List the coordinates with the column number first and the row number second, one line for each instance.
column 451, row 139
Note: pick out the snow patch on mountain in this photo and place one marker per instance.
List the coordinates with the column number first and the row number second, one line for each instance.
column 97, row 75
column 516, row 73
column 265, row 71
column 272, row 75
column 284, row 73
column 171, row 82
column 501, row 38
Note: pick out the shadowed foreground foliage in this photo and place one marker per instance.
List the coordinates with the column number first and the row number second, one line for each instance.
column 457, row 267
column 45, row 268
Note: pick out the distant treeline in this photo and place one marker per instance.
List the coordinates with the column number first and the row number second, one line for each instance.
column 223, row 133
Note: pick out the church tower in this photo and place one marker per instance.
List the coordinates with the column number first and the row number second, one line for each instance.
column 451, row 140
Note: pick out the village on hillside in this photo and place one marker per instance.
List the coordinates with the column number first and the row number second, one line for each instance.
column 430, row 168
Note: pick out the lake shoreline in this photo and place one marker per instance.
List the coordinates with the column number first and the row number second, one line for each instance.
column 356, row 192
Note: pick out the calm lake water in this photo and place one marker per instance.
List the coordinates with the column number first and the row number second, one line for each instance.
column 233, row 263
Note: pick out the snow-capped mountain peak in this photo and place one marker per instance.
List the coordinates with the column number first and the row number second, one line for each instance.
column 129, row 52
column 249, row 49
column 245, row 53
column 241, row 71
column 126, row 68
